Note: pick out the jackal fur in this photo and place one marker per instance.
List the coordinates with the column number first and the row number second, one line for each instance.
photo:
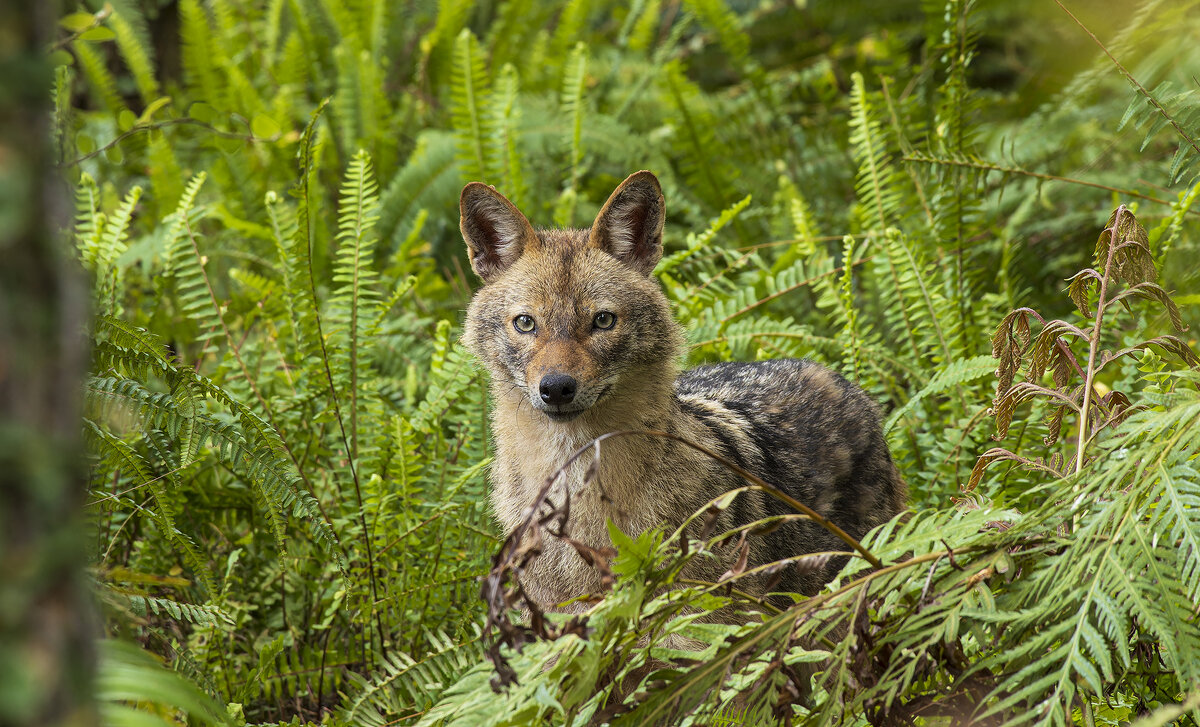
column 579, row 341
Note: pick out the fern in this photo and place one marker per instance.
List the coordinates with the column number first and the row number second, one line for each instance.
column 512, row 180
column 953, row 375
column 875, row 185
column 355, row 280
column 289, row 445
column 201, row 615
column 198, row 51
column 98, row 75
column 471, row 110
column 137, row 55
column 567, row 30
column 572, row 107
column 251, row 446
column 405, row 685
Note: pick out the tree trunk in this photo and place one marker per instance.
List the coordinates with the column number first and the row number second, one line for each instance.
column 46, row 621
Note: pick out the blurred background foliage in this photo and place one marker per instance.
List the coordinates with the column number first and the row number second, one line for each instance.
column 289, row 446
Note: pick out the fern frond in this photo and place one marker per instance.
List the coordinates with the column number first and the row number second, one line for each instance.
column 470, row 110
column 354, row 278
column 876, row 185
column 953, row 375
column 916, row 293
column 100, row 240
column 569, row 28
column 198, row 52
column 138, row 57
column 203, row 614
column 404, row 685
column 178, row 223
column 703, row 162
column 441, row 42
column 98, row 76
column 428, row 180
column 251, row 446
column 124, row 457
column 508, row 118
column 571, row 106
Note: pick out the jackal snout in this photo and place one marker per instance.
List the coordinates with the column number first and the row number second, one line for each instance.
column 562, row 379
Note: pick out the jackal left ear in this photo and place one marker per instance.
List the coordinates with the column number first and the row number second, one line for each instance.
column 629, row 226
column 494, row 229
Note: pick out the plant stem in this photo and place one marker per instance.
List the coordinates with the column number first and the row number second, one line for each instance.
column 1094, row 342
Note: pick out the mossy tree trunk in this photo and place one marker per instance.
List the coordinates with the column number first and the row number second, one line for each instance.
column 46, row 626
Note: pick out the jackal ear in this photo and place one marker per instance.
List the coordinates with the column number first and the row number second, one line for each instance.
column 494, row 229
column 629, row 226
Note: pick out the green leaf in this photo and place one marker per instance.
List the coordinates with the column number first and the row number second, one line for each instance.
column 76, row 22
column 99, row 34
column 264, row 127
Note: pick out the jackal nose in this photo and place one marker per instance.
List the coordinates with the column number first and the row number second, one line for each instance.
column 557, row 389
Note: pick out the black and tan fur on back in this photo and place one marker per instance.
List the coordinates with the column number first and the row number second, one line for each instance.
column 580, row 341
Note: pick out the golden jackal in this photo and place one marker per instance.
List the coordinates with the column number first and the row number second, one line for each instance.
column 580, row 341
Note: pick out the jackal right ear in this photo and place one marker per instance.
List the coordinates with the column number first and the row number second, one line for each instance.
column 494, row 229
column 630, row 225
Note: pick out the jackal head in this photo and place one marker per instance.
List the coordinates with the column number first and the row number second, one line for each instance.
column 570, row 320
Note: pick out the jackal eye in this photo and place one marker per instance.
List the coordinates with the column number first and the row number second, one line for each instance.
column 524, row 323
column 604, row 320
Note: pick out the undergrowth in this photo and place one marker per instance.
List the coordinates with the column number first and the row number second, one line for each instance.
column 290, row 447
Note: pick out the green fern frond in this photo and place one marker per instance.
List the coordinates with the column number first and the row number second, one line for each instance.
column 876, row 185
column 571, row 106
column 251, row 446
column 300, row 253
column 198, row 54
column 115, row 239
column 470, row 110
column 428, row 180
column 123, row 456
column 138, row 57
column 404, row 684
column 354, row 278
column 441, row 44
column 89, row 220
column 1163, row 107
column 646, row 26
column 699, row 242
column 101, row 240
column 98, row 76
column 953, row 375
column 917, row 295
column 703, row 156
column 197, row 614
column 193, row 289
column 178, row 223
column 508, row 120
column 513, row 29
column 569, row 29
column 571, row 103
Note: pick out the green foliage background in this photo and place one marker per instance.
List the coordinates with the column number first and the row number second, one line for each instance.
column 290, row 446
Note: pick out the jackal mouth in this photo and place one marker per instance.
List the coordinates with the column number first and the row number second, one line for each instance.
column 563, row 416
column 566, row 415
